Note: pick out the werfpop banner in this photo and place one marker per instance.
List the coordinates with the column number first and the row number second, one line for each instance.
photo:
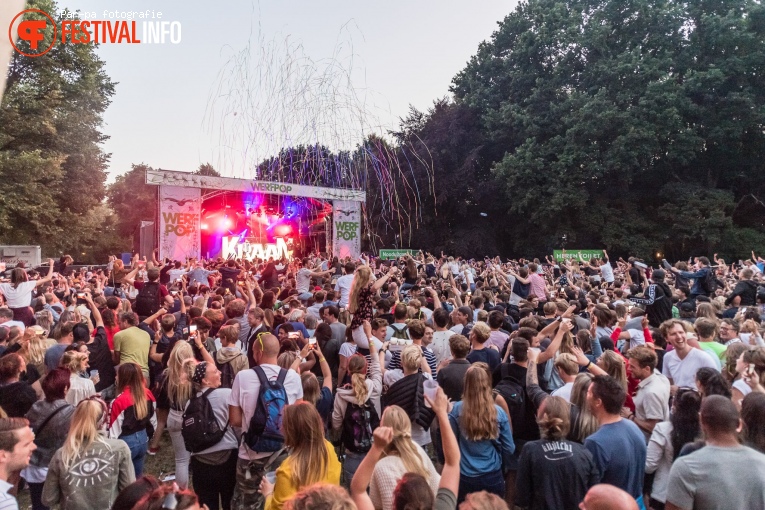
column 346, row 229
column 179, row 222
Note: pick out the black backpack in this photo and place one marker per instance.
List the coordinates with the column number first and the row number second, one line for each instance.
column 515, row 397
column 226, row 372
column 359, row 423
column 147, row 300
column 200, row 428
column 709, row 283
column 265, row 431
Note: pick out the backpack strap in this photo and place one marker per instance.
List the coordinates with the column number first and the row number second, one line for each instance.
column 262, row 375
column 207, row 392
column 282, row 376
column 45, row 422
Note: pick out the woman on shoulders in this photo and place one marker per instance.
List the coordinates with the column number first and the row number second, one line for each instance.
column 18, row 293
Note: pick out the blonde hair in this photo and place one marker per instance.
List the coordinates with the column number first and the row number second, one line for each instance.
column 615, row 366
column 361, row 279
column 180, row 370
column 311, row 387
column 478, row 419
column 411, row 357
column 586, row 424
column 402, row 444
column 72, row 360
column 36, row 348
column 83, row 431
column 567, row 363
column 357, row 365
column 304, row 435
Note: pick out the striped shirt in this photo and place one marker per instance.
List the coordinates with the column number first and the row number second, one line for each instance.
column 430, row 357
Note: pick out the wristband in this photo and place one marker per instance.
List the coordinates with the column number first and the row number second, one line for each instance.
column 587, row 366
column 322, row 359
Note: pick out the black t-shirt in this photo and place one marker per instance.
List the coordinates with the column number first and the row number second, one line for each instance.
column 229, row 276
column 554, row 474
column 101, row 359
column 164, row 274
column 452, row 378
column 488, row 356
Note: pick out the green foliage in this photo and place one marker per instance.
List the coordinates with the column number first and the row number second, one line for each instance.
column 636, row 126
column 51, row 163
column 133, row 201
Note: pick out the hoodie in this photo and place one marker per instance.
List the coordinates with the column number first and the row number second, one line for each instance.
column 232, row 355
column 345, row 394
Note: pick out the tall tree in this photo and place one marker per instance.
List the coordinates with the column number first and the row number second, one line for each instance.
column 51, row 161
column 132, row 200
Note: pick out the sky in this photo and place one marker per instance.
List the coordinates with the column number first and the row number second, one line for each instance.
column 249, row 76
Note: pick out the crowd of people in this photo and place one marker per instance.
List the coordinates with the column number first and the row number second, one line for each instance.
column 422, row 382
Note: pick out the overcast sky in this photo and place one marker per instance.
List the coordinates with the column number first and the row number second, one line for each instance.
column 174, row 104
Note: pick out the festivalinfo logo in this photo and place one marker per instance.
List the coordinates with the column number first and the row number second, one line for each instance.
column 38, row 32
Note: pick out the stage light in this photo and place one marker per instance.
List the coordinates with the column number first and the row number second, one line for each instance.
column 229, row 223
column 204, row 226
column 282, row 230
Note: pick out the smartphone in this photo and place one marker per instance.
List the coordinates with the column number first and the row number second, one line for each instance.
column 293, row 334
column 743, row 310
column 174, row 292
column 81, row 295
column 192, row 329
column 312, row 342
column 751, row 368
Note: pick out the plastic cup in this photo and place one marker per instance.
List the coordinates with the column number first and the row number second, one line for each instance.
column 93, row 374
column 271, row 477
column 430, row 389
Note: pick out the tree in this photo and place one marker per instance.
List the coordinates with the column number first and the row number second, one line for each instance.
column 208, row 170
column 51, row 161
column 638, row 126
column 132, row 200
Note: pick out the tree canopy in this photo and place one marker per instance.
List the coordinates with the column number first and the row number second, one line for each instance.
column 633, row 126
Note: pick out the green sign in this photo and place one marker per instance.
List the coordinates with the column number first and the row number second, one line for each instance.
column 394, row 254
column 586, row 255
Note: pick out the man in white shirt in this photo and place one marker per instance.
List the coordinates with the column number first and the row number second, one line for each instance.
column 441, row 335
column 652, row 393
column 682, row 363
column 343, row 285
column 17, row 442
column 6, row 319
column 243, row 400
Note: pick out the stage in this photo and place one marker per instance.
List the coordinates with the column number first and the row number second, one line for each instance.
column 207, row 217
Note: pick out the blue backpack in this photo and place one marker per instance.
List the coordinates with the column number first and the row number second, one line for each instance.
column 265, row 431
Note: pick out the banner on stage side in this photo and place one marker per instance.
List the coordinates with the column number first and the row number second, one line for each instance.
column 587, row 255
column 179, row 222
column 346, row 229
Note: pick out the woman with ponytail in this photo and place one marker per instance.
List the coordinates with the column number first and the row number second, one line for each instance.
column 483, row 431
column 554, row 472
column 176, row 390
column 362, row 395
column 89, row 470
column 132, row 417
column 402, row 456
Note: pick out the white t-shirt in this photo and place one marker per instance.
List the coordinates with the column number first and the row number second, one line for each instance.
column 245, row 392
column 19, row 297
column 607, row 272
column 637, row 337
column 683, row 372
column 10, row 324
column 343, row 286
column 440, row 345
column 741, row 386
column 564, row 391
column 303, row 280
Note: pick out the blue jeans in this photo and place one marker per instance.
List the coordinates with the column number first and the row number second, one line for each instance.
column 493, row 483
column 350, row 465
column 138, row 444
